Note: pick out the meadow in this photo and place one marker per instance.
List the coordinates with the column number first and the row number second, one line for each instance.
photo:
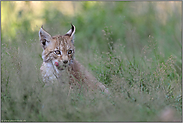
column 134, row 48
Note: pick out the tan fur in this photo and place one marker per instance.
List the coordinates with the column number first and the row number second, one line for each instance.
column 59, row 64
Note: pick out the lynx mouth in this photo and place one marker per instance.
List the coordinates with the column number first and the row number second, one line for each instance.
column 60, row 67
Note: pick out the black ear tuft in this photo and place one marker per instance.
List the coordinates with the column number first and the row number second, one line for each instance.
column 71, row 31
column 72, row 27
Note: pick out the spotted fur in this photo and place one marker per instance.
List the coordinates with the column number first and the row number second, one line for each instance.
column 59, row 64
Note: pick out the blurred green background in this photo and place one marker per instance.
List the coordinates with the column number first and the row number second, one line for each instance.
column 132, row 47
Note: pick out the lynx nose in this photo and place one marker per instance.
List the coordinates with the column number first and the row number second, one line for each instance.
column 65, row 61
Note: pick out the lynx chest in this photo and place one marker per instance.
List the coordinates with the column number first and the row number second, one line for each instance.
column 52, row 75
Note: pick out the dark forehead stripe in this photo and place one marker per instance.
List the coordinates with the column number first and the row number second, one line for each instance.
column 59, row 40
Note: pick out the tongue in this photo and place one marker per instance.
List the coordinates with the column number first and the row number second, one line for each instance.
column 56, row 63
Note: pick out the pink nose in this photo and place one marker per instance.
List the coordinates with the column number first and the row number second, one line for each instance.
column 56, row 63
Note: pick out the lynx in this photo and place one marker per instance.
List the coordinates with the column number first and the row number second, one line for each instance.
column 59, row 64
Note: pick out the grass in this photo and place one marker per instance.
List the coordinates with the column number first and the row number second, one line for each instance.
column 140, row 64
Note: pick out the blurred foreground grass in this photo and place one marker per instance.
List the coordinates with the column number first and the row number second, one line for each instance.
column 128, row 46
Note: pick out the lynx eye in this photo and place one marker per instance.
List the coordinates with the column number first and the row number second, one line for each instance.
column 57, row 52
column 70, row 51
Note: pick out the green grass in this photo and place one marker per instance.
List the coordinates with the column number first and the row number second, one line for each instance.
column 135, row 55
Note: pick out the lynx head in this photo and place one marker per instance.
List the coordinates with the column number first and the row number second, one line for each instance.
column 59, row 50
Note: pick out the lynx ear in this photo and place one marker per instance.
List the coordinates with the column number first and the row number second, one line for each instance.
column 71, row 31
column 44, row 37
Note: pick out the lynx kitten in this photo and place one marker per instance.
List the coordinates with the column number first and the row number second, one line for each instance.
column 59, row 64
